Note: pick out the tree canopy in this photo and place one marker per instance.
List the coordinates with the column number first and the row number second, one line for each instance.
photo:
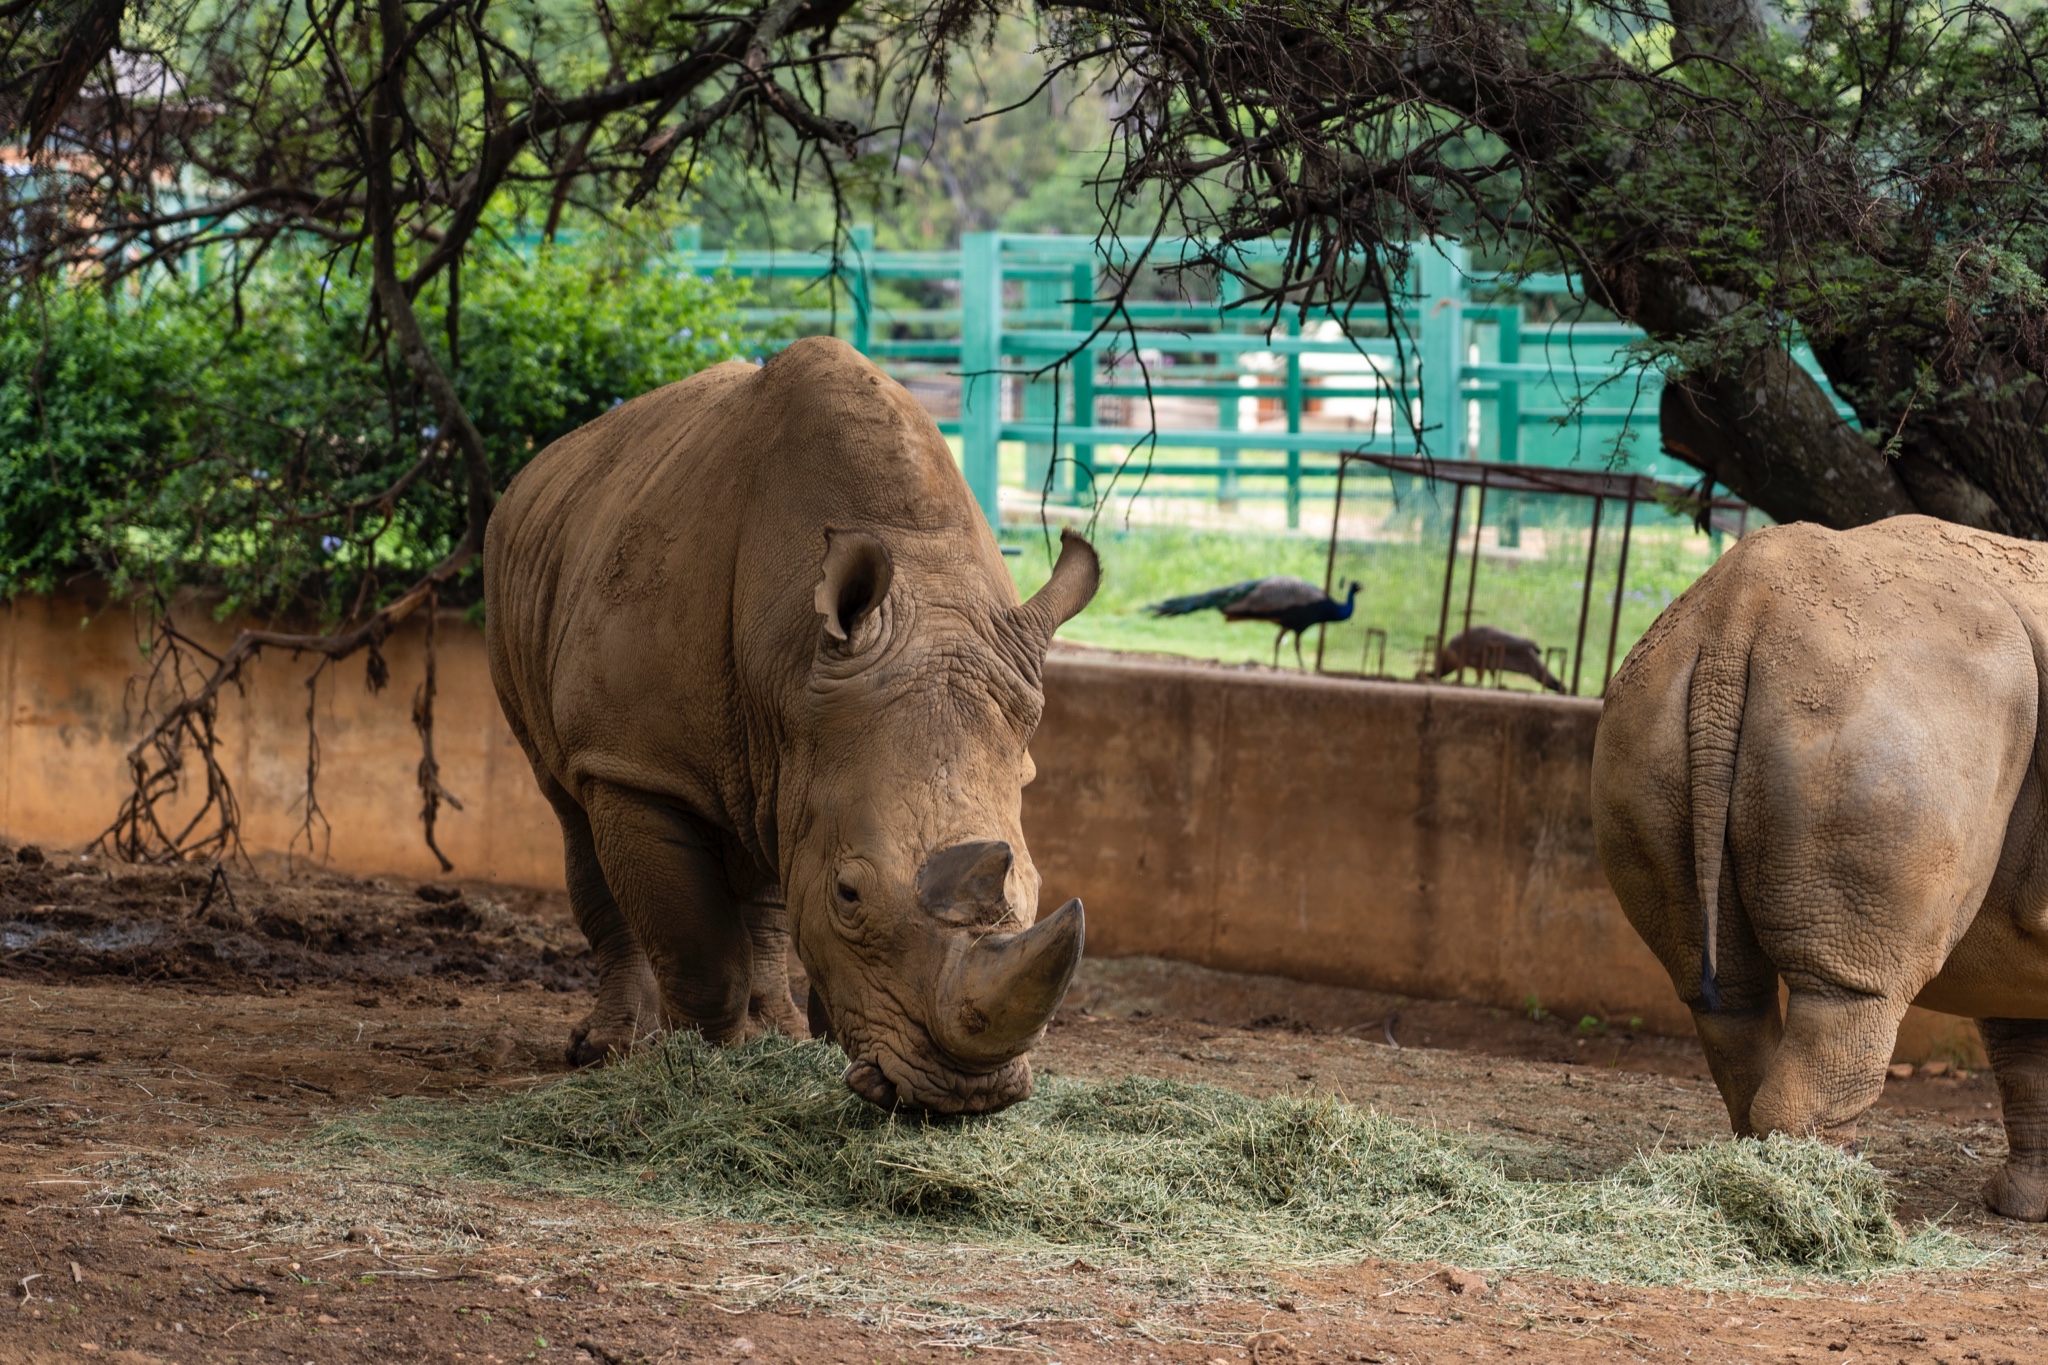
column 1867, row 174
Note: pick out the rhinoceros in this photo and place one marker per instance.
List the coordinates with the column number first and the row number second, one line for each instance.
column 761, row 649
column 1825, row 763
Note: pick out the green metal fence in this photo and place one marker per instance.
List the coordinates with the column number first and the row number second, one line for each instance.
column 1120, row 398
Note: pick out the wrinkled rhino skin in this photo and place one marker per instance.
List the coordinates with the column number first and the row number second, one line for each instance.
column 763, row 654
column 1834, row 741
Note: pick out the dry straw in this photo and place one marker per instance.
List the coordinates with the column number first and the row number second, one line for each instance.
column 766, row 1133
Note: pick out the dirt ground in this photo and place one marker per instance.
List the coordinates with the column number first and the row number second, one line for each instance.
column 172, row 1050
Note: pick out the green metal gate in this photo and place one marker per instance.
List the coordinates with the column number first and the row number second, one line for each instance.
column 1481, row 366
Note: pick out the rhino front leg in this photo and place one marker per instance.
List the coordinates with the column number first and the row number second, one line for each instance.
column 667, row 870
column 769, row 1004
column 2019, row 1058
column 628, row 1008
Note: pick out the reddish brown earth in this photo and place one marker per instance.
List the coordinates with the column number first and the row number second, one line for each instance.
column 167, row 1061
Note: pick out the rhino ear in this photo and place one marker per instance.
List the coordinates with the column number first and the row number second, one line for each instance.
column 854, row 580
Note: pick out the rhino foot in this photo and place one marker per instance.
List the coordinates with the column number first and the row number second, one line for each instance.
column 602, row 1037
column 2019, row 1194
column 776, row 1012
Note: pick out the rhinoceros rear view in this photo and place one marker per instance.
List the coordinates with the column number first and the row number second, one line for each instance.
column 762, row 652
column 1825, row 764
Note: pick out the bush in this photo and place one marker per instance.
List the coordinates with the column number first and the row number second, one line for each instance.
column 188, row 436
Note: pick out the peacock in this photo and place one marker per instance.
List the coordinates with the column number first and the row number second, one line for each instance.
column 1289, row 603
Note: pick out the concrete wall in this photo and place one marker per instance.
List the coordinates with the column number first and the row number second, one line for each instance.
column 73, row 677
column 1433, row 841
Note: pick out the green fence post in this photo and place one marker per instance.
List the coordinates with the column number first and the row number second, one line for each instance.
column 1226, row 458
column 1295, row 402
column 860, row 285
column 1507, row 418
column 1228, row 291
column 1442, row 348
column 981, row 358
column 1084, row 380
column 1508, row 409
column 1041, row 399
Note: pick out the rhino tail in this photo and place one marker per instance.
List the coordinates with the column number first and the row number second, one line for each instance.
column 1719, row 687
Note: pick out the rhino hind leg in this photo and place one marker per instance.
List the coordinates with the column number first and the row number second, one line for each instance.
column 668, row 871
column 1829, row 1066
column 1740, row 1039
column 1741, row 1027
column 1649, row 863
column 2019, row 1058
column 628, row 1009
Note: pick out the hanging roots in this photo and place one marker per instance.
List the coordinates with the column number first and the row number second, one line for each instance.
column 176, row 704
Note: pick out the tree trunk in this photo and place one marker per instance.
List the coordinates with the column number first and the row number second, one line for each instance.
column 1767, row 430
column 1761, row 426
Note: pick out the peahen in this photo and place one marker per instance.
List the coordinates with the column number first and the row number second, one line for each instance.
column 1490, row 647
column 1288, row 603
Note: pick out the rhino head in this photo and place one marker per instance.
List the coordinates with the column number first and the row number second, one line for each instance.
column 911, row 895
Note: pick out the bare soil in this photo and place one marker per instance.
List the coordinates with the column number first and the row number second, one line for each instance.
column 169, row 1060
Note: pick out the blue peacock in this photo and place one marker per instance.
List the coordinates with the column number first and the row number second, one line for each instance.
column 1289, row 603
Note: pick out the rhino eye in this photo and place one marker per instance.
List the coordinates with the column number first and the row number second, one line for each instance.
column 847, row 895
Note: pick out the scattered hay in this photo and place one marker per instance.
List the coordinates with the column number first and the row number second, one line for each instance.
column 767, row 1133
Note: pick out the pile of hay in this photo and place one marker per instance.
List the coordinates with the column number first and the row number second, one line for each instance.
column 767, row 1133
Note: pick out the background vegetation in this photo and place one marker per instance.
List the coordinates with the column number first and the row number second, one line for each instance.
column 244, row 441
column 1401, row 576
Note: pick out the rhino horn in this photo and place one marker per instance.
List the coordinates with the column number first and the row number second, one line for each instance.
column 1075, row 576
column 996, row 994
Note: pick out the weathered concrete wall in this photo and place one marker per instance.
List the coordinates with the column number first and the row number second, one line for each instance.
column 73, row 678
column 1429, row 840
column 1433, row 841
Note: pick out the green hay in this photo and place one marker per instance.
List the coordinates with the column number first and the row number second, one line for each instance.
column 766, row 1133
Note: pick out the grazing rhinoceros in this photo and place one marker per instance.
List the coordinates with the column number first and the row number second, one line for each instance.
column 1825, row 762
column 758, row 643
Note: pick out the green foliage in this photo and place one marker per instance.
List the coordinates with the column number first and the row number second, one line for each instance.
column 962, row 159
column 767, row 1133
column 80, row 416
column 1867, row 175
column 153, row 440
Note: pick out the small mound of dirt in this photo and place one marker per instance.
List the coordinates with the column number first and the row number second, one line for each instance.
column 68, row 917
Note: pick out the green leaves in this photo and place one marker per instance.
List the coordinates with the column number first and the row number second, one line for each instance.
column 150, row 440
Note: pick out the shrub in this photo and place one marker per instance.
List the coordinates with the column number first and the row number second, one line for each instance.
column 190, row 436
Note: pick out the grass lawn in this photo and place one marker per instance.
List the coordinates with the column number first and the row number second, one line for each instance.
column 1533, row 591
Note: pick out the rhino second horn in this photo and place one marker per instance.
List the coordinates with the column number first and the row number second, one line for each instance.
column 965, row 884
column 1075, row 577
column 998, row 993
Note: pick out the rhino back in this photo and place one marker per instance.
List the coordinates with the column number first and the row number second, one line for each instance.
column 650, row 575
column 1877, row 695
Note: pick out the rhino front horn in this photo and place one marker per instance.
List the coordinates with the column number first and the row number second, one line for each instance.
column 997, row 994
